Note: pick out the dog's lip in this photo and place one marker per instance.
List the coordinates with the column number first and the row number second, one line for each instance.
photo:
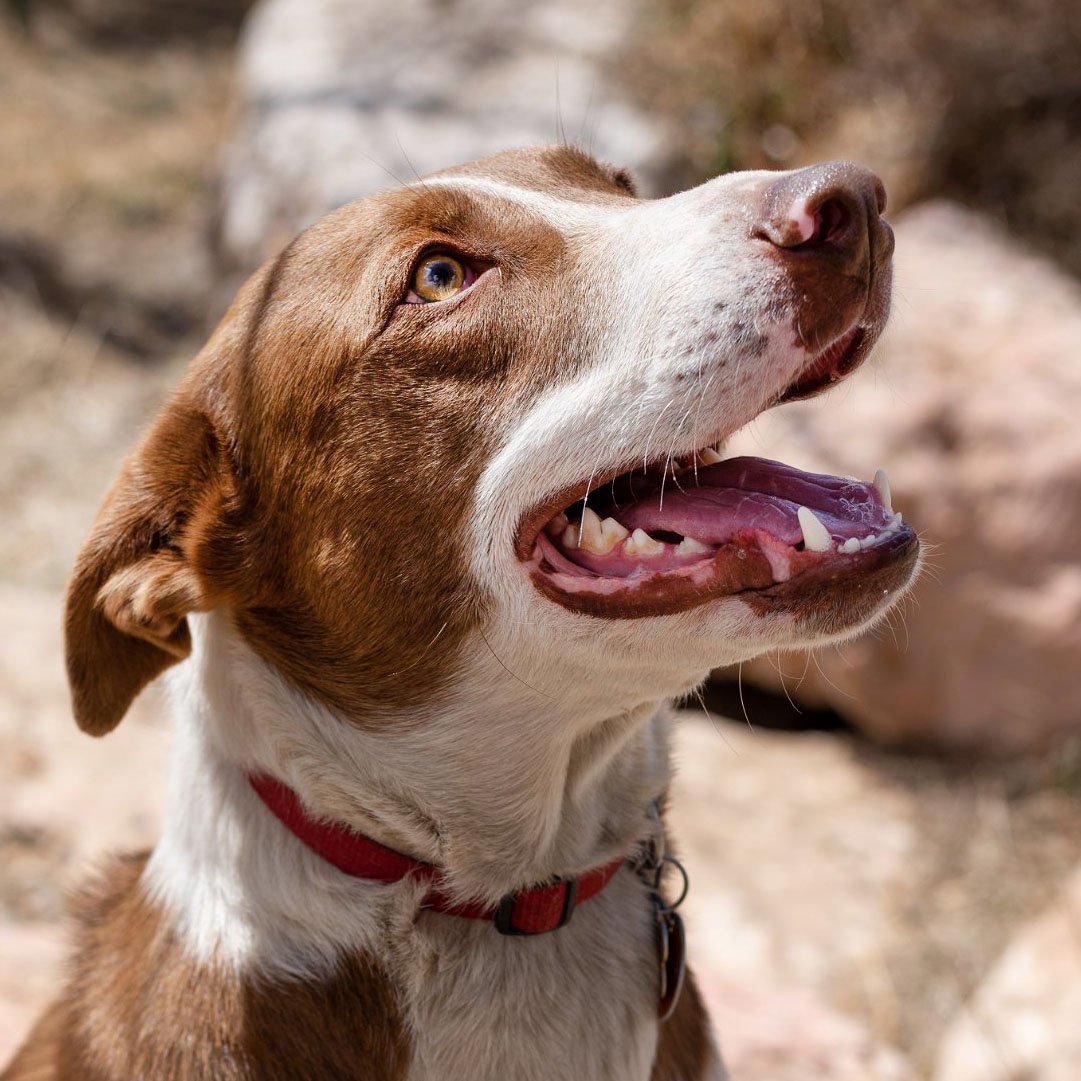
column 834, row 363
column 533, row 523
column 731, row 527
column 739, row 569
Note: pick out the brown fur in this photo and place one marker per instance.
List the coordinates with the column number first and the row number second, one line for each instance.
column 138, row 1008
column 683, row 1047
column 303, row 445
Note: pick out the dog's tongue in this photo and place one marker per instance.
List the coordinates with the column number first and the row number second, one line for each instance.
column 753, row 494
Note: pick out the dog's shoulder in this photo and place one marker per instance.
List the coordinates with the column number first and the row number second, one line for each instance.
column 685, row 1046
column 138, row 1006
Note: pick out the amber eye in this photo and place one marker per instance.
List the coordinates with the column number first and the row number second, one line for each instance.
column 438, row 277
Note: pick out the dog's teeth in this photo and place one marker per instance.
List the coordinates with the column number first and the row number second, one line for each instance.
column 882, row 485
column 690, row 547
column 601, row 536
column 709, row 456
column 614, row 532
column 570, row 536
column 642, row 544
column 851, row 545
column 816, row 537
column 589, row 531
column 557, row 526
column 868, row 540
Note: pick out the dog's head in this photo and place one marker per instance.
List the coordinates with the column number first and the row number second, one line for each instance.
column 488, row 406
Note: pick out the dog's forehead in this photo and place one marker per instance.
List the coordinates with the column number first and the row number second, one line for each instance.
column 560, row 171
column 506, row 196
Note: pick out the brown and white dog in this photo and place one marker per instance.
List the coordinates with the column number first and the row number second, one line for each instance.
column 437, row 523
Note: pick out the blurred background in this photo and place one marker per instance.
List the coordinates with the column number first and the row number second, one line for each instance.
column 884, row 839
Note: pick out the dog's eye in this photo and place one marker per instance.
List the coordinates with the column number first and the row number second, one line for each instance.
column 438, row 277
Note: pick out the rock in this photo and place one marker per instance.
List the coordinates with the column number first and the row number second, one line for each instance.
column 766, row 817
column 843, row 900
column 1023, row 1021
column 971, row 405
column 340, row 98
column 767, row 1034
column 799, row 861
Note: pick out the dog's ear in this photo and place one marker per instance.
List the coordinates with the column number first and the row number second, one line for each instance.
column 145, row 565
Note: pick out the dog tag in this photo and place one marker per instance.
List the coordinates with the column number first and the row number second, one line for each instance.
column 672, row 951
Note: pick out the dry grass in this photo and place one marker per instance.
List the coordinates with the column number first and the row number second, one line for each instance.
column 978, row 100
column 105, row 278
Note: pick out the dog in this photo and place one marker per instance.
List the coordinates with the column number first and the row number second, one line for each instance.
column 437, row 522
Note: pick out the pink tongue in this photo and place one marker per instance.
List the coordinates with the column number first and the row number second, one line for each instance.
column 753, row 493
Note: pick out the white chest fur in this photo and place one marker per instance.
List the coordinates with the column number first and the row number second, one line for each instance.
column 578, row 1002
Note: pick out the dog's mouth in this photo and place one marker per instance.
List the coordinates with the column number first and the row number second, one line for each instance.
column 677, row 533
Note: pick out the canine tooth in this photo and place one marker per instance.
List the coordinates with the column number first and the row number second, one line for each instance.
column 690, row 547
column 882, row 485
column 709, row 456
column 642, row 544
column 851, row 545
column 816, row 537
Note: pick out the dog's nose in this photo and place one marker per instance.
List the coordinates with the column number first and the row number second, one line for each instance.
column 830, row 210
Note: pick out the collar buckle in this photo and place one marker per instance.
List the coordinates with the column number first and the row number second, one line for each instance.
column 504, row 913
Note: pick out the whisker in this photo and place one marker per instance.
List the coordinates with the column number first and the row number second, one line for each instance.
column 775, row 661
column 742, row 703
column 509, row 672
column 822, row 673
column 585, row 503
column 713, row 721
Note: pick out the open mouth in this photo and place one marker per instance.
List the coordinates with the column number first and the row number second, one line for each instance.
column 669, row 536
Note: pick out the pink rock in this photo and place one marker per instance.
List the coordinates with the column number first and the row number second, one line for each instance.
column 1024, row 1021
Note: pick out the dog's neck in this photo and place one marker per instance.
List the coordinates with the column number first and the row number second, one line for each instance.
column 502, row 786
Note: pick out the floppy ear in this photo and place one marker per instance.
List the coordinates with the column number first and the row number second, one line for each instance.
column 143, row 569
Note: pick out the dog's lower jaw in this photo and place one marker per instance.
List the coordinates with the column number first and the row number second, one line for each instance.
column 243, row 892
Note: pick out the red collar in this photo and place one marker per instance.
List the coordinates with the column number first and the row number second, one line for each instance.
column 530, row 911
